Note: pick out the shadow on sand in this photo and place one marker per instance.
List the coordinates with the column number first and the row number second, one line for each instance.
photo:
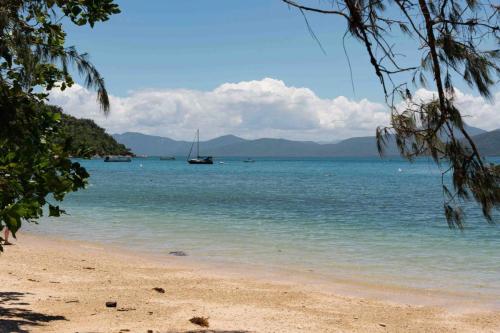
column 14, row 319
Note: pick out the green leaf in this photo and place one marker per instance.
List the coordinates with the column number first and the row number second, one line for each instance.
column 76, row 10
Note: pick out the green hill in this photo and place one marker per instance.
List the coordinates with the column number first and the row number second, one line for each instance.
column 87, row 138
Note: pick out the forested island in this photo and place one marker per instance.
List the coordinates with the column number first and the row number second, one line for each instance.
column 87, row 139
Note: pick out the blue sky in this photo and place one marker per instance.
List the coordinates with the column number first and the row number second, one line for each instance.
column 249, row 68
column 201, row 44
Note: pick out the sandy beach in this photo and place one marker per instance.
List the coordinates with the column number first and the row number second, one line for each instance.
column 55, row 285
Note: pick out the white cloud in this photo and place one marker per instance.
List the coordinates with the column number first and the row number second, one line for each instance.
column 252, row 109
column 475, row 110
column 479, row 113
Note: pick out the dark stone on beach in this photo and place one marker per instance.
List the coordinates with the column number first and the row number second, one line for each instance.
column 89, row 268
column 382, row 324
column 160, row 290
column 111, row 304
column 178, row 253
column 150, row 331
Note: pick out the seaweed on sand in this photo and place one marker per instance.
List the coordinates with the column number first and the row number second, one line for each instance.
column 200, row 321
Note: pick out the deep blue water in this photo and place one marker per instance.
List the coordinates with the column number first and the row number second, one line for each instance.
column 362, row 218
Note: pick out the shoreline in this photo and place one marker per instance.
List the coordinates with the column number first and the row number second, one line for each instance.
column 312, row 280
column 73, row 279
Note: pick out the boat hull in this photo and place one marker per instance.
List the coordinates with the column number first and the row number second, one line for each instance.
column 117, row 159
column 201, row 161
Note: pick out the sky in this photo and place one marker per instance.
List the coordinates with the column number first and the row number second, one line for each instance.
column 249, row 68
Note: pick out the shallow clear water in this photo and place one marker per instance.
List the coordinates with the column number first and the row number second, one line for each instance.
column 354, row 218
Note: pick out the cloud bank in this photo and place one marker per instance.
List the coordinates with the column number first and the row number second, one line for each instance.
column 251, row 109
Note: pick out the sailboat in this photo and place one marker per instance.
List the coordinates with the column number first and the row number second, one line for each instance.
column 199, row 159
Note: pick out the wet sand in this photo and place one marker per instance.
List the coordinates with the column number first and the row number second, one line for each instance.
column 56, row 285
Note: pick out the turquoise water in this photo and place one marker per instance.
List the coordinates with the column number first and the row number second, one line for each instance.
column 353, row 218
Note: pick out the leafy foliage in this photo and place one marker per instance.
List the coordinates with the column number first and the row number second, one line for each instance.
column 34, row 162
column 34, row 152
column 457, row 39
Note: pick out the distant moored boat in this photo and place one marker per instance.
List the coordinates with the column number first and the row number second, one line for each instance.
column 167, row 158
column 199, row 159
column 112, row 158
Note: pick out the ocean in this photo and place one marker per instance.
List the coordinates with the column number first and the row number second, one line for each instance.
column 368, row 219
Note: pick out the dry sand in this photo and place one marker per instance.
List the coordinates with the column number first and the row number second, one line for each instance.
column 50, row 285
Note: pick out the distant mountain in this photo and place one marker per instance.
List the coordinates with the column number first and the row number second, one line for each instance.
column 230, row 145
column 488, row 143
column 222, row 141
column 142, row 144
column 270, row 147
column 473, row 131
column 361, row 146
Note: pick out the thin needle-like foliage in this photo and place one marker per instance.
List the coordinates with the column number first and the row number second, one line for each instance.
column 457, row 40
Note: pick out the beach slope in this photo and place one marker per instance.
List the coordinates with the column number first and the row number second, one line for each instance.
column 63, row 286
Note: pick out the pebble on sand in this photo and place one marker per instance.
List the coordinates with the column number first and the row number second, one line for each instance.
column 111, row 304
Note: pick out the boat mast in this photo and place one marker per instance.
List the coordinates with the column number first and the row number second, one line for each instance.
column 198, row 145
column 191, row 149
